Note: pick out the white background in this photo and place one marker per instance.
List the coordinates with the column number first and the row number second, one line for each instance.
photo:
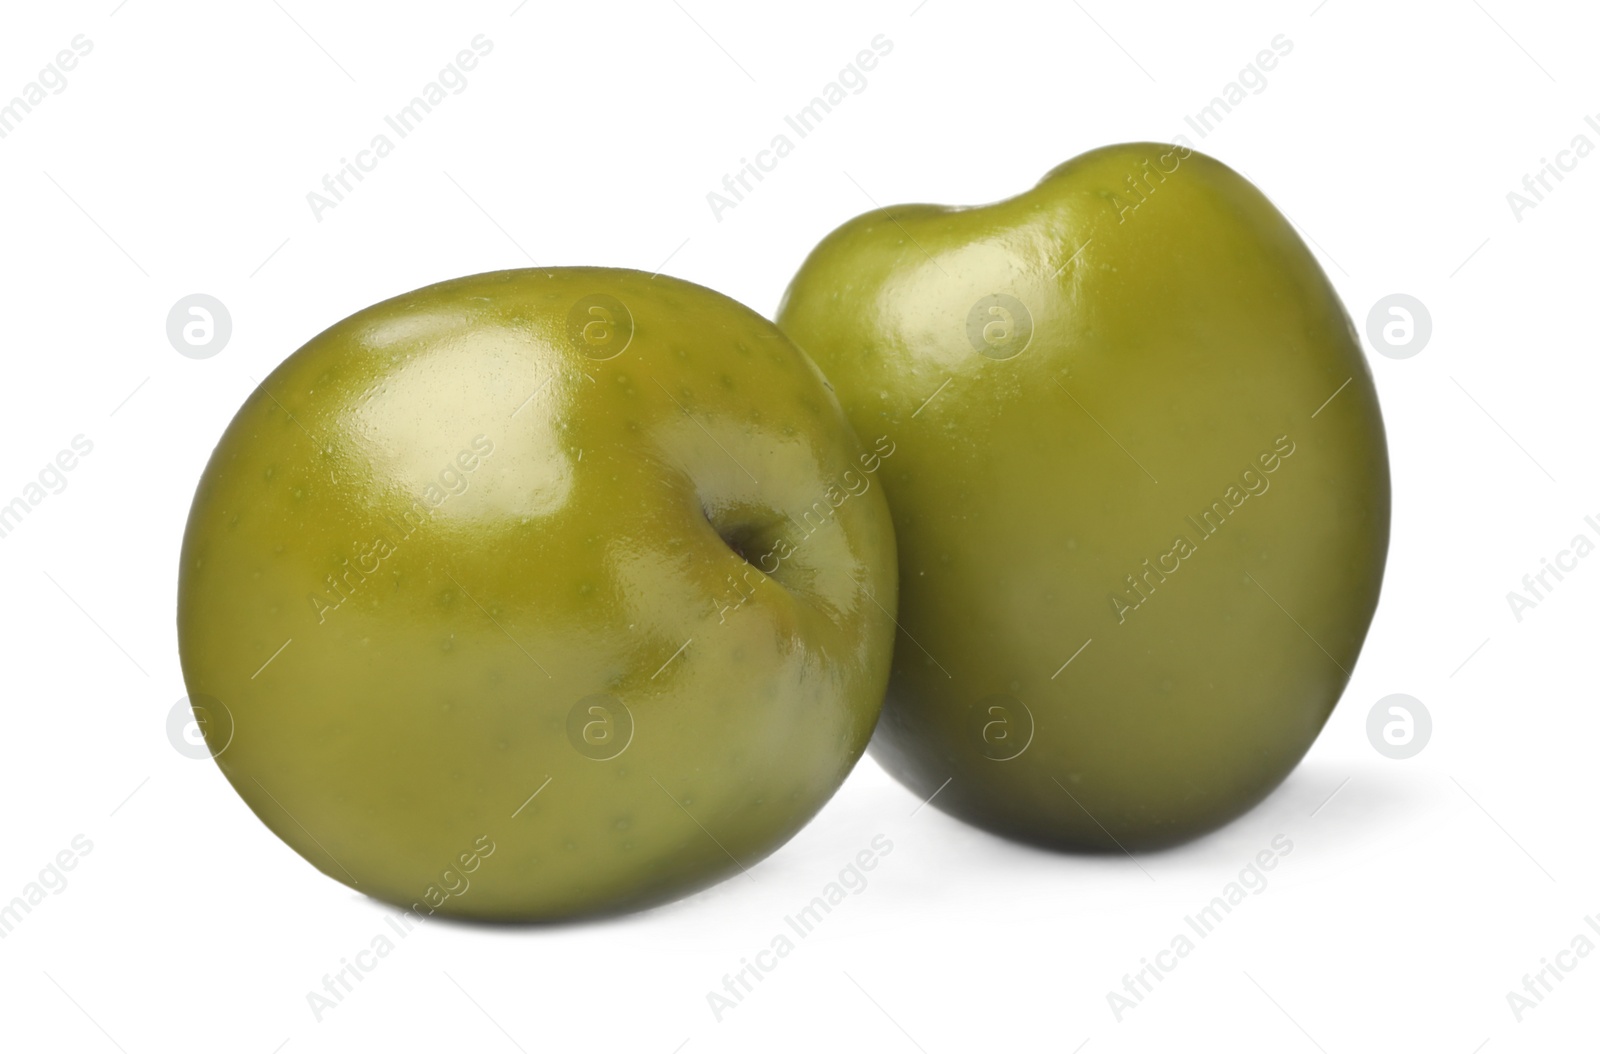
column 178, row 159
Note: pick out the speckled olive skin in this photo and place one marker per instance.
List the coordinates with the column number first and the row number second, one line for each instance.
column 1141, row 492
column 539, row 594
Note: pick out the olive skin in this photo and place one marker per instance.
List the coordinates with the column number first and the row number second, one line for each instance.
column 1141, row 492
column 539, row 594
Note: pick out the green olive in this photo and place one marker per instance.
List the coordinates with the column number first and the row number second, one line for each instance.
column 1141, row 492
column 539, row 594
